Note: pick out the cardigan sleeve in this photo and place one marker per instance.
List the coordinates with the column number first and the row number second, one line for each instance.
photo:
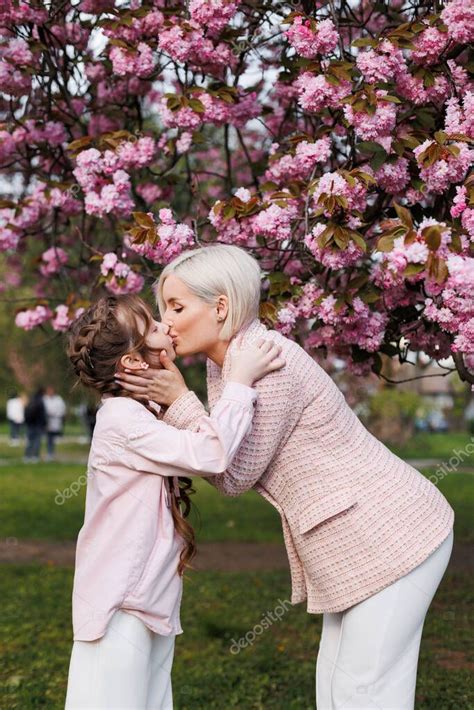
column 279, row 407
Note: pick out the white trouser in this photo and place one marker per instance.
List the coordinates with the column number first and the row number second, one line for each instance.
column 368, row 654
column 129, row 667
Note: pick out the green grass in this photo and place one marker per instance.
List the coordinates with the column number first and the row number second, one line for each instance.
column 276, row 671
column 437, row 446
column 28, row 508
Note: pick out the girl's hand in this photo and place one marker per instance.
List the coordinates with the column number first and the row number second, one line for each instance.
column 161, row 386
column 253, row 362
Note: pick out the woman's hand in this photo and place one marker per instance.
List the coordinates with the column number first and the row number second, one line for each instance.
column 253, row 362
column 161, row 386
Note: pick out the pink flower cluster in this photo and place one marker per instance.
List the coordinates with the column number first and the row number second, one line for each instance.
column 300, row 165
column 128, row 62
column 333, row 183
column 52, row 260
column 216, row 111
column 449, row 169
column 429, row 44
column 102, row 177
column 382, row 63
column 412, row 88
column 370, row 127
column 393, row 177
column 188, row 44
column 316, row 92
column 32, row 317
column 64, row 316
column 332, row 258
column 461, row 209
column 213, row 15
column 309, row 42
column 8, row 239
column 460, row 119
column 275, row 221
column 458, row 15
column 173, row 238
column 453, row 308
column 120, row 278
column 14, row 57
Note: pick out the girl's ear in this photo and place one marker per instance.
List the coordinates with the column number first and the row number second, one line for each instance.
column 132, row 361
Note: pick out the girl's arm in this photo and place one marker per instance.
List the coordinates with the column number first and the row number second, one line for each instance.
column 153, row 446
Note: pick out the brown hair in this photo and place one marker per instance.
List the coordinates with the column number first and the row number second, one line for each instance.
column 98, row 339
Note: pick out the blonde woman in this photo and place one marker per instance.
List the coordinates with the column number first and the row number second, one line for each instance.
column 368, row 536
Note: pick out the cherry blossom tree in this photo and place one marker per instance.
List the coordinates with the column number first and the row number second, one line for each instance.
column 330, row 139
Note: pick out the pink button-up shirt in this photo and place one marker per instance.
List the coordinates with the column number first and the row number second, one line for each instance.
column 128, row 550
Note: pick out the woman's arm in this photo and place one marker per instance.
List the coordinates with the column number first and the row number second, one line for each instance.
column 281, row 401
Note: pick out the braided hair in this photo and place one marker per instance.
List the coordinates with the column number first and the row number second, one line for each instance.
column 98, row 339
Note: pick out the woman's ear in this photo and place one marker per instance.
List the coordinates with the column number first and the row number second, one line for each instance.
column 222, row 307
column 132, row 361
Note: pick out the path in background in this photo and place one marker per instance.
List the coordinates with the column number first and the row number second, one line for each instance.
column 216, row 556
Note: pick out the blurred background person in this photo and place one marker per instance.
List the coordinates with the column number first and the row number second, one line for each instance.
column 15, row 417
column 35, row 420
column 55, row 412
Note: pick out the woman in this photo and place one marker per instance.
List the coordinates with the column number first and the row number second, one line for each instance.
column 368, row 536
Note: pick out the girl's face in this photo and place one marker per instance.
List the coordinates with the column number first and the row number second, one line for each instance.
column 157, row 338
column 193, row 323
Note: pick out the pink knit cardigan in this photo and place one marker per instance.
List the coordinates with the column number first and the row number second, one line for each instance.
column 355, row 516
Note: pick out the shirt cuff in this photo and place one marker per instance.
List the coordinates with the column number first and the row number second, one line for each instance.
column 184, row 411
column 240, row 393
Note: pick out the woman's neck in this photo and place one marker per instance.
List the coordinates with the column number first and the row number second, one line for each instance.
column 218, row 351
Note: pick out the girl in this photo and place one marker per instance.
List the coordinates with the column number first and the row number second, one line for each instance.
column 368, row 536
column 135, row 541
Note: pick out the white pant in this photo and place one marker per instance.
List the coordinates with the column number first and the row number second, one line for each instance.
column 368, row 654
column 129, row 667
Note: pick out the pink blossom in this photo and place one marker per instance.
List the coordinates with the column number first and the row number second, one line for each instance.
column 63, row 317
column 299, row 165
column 173, row 238
column 449, row 169
column 460, row 119
column 412, row 88
column 429, row 44
column 332, row 258
column 372, row 126
column 52, row 259
column 381, row 64
column 213, row 15
column 393, row 177
column 184, row 142
column 458, row 15
column 310, row 42
column 127, row 62
column 9, row 239
column 31, row 318
column 316, row 93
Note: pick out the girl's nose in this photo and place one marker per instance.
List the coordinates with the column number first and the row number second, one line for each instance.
column 165, row 328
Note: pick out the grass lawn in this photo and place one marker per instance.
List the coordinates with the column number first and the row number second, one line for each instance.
column 276, row 671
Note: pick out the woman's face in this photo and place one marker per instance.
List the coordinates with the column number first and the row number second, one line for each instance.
column 193, row 323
